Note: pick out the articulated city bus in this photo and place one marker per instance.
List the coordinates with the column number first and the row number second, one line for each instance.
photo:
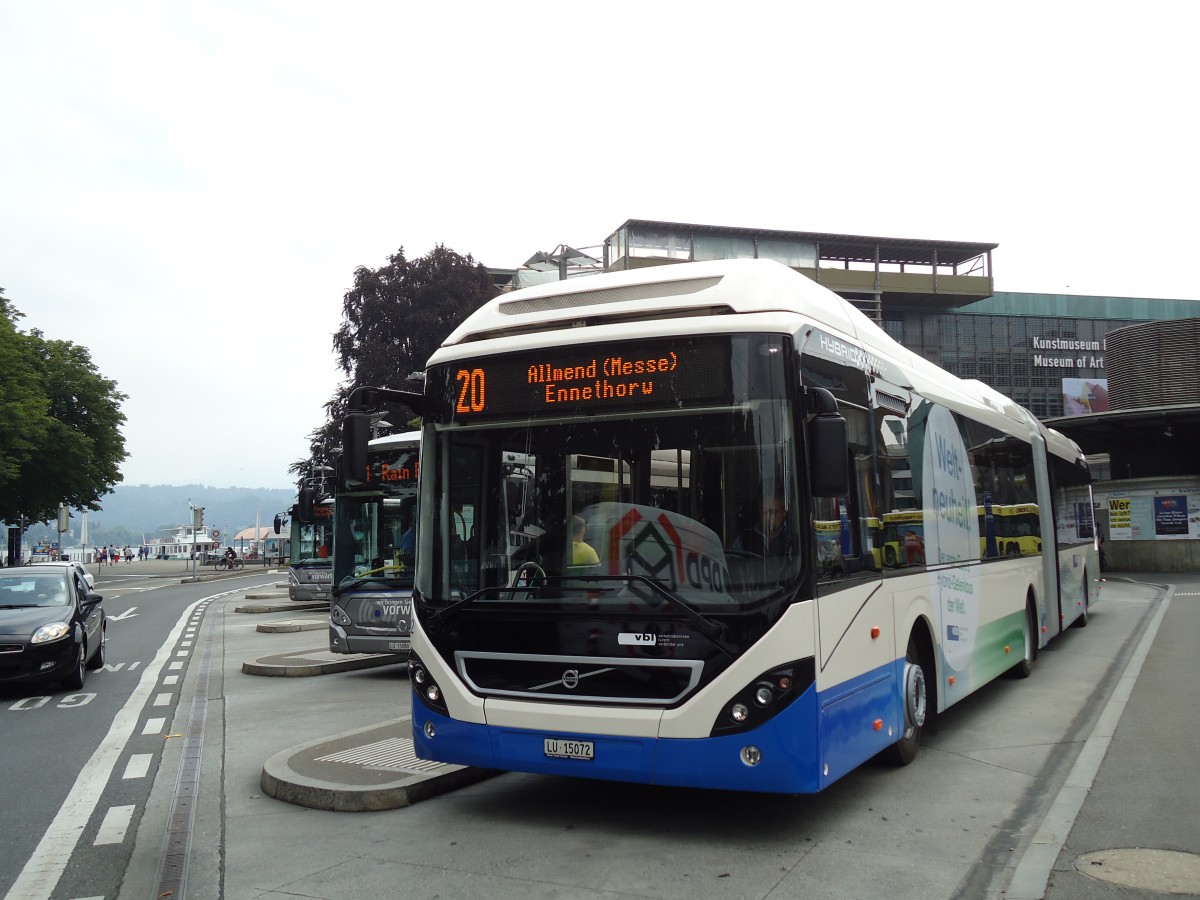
column 374, row 530
column 726, row 635
column 310, row 553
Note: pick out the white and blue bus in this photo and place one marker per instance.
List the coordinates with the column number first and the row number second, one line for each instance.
column 374, row 549
column 725, row 438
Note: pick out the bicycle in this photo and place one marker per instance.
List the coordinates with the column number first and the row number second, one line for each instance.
column 224, row 564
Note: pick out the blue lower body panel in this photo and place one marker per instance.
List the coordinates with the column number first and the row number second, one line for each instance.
column 839, row 728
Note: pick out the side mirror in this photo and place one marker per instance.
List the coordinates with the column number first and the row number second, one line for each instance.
column 307, row 501
column 91, row 598
column 356, row 433
column 828, row 446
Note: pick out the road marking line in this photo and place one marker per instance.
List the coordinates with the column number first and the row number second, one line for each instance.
column 46, row 865
column 138, row 765
column 171, row 679
column 115, row 824
column 154, row 726
column 175, row 666
column 163, row 699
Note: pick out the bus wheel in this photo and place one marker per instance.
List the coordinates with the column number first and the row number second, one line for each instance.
column 1082, row 621
column 1024, row 668
column 916, row 706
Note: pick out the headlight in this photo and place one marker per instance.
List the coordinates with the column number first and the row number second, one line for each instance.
column 339, row 617
column 424, row 686
column 52, row 632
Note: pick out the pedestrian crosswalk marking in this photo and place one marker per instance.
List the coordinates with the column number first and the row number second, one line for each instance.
column 391, row 754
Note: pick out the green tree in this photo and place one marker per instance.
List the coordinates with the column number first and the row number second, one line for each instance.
column 60, row 420
column 392, row 320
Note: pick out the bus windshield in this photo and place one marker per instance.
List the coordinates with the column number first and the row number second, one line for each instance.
column 375, row 528
column 695, row 505
column 312, row 542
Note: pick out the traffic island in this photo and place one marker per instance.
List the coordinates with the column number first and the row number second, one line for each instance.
column 293, row 625
column 368, row 770
column 265, row 606
column 304, row 663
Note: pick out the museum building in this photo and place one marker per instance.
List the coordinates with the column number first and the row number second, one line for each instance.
column 1065, row 357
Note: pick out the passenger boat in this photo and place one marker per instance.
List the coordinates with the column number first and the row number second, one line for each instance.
column 185, row 541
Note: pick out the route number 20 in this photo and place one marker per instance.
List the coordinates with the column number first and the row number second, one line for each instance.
column 471, row 390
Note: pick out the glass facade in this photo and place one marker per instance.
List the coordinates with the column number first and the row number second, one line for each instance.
column 1030, row 347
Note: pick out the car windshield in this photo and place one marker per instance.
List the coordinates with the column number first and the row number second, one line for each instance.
column 32, row 589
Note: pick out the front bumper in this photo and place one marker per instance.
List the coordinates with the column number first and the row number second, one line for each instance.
column 342, row 642
column 23, row 662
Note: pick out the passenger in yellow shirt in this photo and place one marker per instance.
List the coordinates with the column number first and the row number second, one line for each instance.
column 582, row 553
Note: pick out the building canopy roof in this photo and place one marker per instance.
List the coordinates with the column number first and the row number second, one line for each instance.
column 852, row 247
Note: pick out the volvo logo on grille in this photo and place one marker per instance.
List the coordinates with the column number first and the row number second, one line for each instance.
column 570, row 679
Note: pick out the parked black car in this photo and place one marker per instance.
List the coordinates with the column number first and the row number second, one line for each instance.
column 52, row 626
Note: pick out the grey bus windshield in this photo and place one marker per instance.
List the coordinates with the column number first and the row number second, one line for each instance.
column 312, row 542
column 698, row 499
column 375, row 538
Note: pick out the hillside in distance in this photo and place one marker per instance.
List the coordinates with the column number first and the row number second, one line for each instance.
column 154, row 510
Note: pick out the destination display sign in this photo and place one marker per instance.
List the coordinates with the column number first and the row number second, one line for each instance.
column 393, row 467
column 633, row 375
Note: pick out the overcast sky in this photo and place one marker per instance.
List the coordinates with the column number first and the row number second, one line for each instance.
column 187, row 189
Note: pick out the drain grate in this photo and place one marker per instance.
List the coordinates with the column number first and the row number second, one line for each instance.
column 391, row 754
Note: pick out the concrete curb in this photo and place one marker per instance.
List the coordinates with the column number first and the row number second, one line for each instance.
column 290, row 606
column 304, row 663
column 374, row 790
column 215, row 576
column 292, row 627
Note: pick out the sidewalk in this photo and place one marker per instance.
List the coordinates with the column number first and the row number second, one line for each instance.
column 1126, row 823
column 364, row 770
column 177, row 568
column 1135, row 831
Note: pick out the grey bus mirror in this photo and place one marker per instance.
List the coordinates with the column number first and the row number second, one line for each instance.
column 356, row 433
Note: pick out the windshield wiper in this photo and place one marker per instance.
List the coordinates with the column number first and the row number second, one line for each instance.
column 382, row 575
column 714, row 631
column 20, row 606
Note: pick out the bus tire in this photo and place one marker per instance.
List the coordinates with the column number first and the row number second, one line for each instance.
column 1024, row 668
column 917, row 673
column 1082, row 620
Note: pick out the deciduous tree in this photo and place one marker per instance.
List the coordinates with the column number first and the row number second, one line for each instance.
column 60, row 420
column 392, row 320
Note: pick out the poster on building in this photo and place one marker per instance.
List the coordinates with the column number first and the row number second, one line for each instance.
column 1171, row 517
column 1084, row 395
column 1120, row 523
column 1170, row 512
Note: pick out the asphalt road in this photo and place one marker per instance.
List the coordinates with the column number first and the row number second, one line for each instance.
column 77, row 772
